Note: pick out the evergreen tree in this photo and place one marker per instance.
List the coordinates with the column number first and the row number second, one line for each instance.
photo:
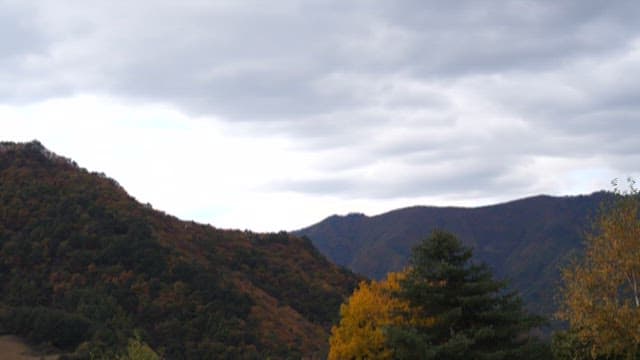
column 474, row 316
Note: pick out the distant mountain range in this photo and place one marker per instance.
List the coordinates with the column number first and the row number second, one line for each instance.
column 87, row 268
column 525, row 241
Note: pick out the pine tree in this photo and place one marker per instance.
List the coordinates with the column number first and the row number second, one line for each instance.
column 474, row 316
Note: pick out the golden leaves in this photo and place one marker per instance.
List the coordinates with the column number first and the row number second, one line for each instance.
column 368, row 311
column 601, row 294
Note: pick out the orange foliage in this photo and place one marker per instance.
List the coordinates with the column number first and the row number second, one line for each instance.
column 370, row 309
column 601, row 294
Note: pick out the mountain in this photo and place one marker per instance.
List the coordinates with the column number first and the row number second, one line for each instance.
column 88, row 269
column 525, row 241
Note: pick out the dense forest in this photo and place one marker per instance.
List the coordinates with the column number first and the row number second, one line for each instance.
column 447, row 305
column 526, row 241
column 87, row 269
column 442, row 306
column 90, row 273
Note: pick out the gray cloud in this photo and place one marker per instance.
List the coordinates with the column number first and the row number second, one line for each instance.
column 405, row 98
column 17, row 36
column 460, row 178
column 244, row 61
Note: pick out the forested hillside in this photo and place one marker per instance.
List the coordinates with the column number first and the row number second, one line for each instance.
column 85, row 267
column 524, row 241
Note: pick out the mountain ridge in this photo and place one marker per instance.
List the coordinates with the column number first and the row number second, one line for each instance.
column 524, row 240
column 543, row 196
column 76, row 248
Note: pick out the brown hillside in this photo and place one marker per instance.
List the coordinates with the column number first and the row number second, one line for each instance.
column 76, row 249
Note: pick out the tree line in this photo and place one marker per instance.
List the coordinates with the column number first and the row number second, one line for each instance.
column 446, row 306
column 87, row 270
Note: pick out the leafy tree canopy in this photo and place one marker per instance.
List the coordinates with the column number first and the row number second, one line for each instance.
column 372, row 308
column 601, row 291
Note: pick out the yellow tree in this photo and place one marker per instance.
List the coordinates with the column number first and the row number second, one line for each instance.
column 138, row 350
column 601, row 293
column 371, row 308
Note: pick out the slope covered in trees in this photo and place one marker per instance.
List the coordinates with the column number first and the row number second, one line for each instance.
column 85, row 267
column 443, row 306
column 525, row 241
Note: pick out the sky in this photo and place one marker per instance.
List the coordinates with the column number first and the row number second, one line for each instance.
column 274, row 115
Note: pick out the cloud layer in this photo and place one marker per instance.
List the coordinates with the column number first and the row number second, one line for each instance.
column 373, row 99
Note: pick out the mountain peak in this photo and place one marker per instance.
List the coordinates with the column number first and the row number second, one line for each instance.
column 33, row 145
column 33, row 148
column 70, row 237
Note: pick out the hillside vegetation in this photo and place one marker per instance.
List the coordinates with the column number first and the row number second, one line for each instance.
column 446, row 305
column 524, row 241
column 86, row 268
column 442, row 306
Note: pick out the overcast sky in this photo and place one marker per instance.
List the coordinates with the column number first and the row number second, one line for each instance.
column 273, row 115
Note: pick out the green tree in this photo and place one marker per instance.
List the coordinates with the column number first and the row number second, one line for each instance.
column 601, row 291
column 474, row 317
column 566, row 345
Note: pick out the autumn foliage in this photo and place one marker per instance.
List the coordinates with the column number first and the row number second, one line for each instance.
column 442, row 307
column 85, row 267
column 370, row 310
column 601, row 293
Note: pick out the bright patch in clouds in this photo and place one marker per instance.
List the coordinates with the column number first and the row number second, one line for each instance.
column 243, row 116
column 193, row 168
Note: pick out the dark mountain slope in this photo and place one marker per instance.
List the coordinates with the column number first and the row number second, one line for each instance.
column 524, row 240
column 87, row 268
